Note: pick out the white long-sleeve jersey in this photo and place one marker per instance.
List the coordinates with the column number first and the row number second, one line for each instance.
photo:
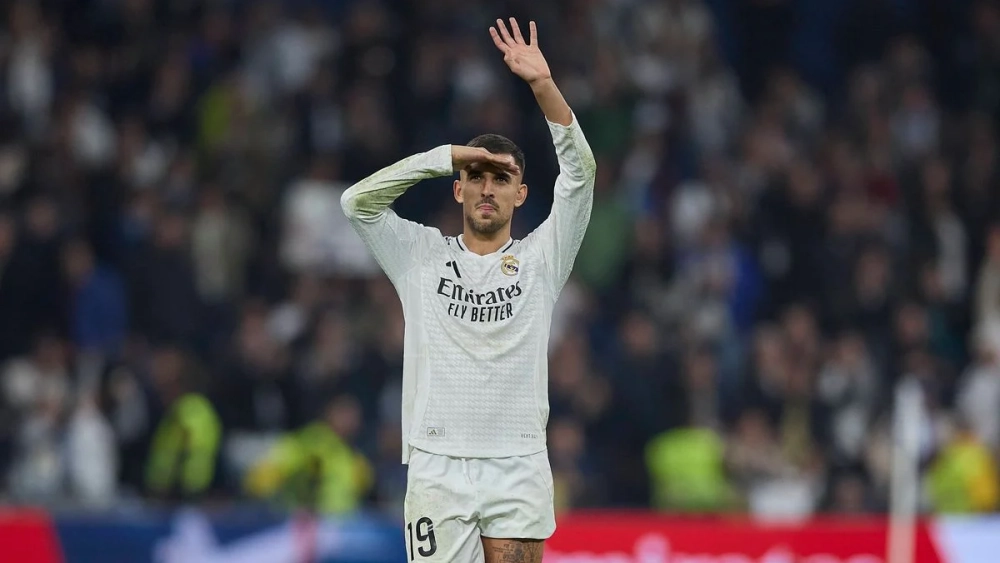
column 475, row 357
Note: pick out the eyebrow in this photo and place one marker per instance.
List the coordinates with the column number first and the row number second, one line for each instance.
column 476, row 169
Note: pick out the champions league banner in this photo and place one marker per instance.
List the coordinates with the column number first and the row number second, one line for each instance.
column 32, row 536
column 190, row 536
column 603, row 537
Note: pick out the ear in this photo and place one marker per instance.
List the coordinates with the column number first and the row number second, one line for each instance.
column 457, row 189
column 522, row 194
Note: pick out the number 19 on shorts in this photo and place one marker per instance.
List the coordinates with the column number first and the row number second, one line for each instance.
column 423, row 534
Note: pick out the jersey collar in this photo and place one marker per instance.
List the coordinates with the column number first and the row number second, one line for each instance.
column 461, row 244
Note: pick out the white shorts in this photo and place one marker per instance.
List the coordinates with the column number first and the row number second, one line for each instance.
column 452, row 502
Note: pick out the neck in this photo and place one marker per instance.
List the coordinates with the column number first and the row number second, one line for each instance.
column 483, row 244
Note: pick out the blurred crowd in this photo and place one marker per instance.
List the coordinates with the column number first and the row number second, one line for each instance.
column 797, row 209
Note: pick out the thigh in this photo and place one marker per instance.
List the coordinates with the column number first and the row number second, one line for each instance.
column 513, row 550
column 440, row 514
column 517, row 499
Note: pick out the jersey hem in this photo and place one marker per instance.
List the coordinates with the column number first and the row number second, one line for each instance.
column 475, row 454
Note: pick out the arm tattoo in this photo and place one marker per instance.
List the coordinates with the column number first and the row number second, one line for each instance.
column 518, row 552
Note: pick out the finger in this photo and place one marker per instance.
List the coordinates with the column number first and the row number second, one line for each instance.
column 506, row 162
column 503, row 33
column 533, row 33
column 497, row 40
column 516, row 31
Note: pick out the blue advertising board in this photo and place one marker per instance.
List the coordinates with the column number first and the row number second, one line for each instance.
column 190, row 536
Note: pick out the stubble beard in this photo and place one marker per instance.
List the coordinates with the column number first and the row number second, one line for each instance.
column 482, row 226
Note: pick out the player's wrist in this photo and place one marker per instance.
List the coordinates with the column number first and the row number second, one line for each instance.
column 541, row 83
column 459, row 157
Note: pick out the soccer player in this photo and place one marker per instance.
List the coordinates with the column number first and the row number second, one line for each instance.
column 478, row 308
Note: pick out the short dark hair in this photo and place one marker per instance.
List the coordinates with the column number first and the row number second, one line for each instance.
column 498, row 144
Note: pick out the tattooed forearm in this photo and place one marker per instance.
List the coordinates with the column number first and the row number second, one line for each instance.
column 517, row 552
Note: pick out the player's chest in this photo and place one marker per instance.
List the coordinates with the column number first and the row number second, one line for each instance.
column 482, row 290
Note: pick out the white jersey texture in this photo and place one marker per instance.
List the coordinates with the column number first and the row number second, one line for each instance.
column 475, row 358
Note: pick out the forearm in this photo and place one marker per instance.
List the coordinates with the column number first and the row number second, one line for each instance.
column 577, row 165
column 573, row 194
column 370, row 197
column 552, row 102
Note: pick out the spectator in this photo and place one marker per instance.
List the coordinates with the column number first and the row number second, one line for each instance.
column 92, row 455
column 37, row 394
column 757, row 463
column 603, row 250
column 963, row 477
column 220, row 246
column 317, row 239
column 185, row 446
column 255, row 386
column 317, row 468
column 575, row 475
column 14, row 289
column 848, row 386
column 99, row 317
column 978, row 397
column 987, row 303
column 850, row 494
column 687, row 468
column 132, row 411
column 164, row 291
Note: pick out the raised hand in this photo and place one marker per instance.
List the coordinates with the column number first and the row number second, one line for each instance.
column 524, row 59
column 462, row 156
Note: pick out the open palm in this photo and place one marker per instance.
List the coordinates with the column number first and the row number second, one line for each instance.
column 524, row 59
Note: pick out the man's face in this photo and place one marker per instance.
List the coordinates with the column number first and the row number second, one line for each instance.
column 488, row 196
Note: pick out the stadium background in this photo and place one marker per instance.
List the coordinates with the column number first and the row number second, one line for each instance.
column 797, row 208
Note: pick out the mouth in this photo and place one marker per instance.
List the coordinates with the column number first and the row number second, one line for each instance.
column 486, row 207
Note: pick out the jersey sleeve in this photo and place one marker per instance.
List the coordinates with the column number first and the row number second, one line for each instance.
column 396, row 243
column 559, row 237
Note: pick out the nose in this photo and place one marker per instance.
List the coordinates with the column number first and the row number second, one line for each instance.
column 488, row 187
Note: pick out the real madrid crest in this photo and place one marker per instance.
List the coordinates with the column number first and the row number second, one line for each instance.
column 508, row 265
